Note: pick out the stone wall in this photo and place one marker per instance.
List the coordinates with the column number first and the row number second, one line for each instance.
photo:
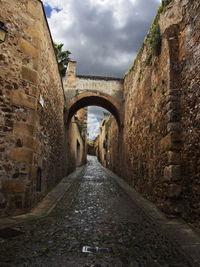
column 33, row 139
column 189, row 67
column 77, row 84
column 159, row 145
column 77, row 145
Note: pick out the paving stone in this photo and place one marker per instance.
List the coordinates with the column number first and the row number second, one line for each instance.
column 95, row 212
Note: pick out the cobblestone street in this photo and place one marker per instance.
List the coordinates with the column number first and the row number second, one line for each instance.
column 95, row 212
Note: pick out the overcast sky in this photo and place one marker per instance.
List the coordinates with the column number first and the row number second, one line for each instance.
column 103, row 36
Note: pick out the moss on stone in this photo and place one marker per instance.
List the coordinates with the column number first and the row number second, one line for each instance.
column 155, row 39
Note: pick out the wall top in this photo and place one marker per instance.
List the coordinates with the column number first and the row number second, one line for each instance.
column 100, row 78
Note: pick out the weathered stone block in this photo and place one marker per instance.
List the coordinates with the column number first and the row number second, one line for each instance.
column 24, row 129
column 198, row 117
column 14, row 186
column 33, row 32
column 174, row 158
column 32, row 143
column 173, row 105
column 171, row 142
column 174, row 191
column 28, row 48
column 33, row 172
column 35, row 64
column 35, row 9
column 174, row 92
column 173, row 116
column 172, row 173
column 174, row 127
column 24, row 100
column 172, row 98
column 33, row 118
column 29, row 75
column 23, row 155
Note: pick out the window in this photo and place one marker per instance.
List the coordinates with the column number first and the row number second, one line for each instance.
column 39, row 180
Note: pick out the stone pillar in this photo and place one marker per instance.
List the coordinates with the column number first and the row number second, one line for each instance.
column 69, row 81
column 172, row 172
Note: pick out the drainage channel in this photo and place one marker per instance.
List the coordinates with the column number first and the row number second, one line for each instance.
column 87, row 249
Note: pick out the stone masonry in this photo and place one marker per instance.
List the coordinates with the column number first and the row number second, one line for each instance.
column 33, row 136
column 155, row 143
column 81, row 91
column 158, row 151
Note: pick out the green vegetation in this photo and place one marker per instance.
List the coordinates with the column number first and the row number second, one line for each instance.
column 148, row 59
column 82, row 128
column 133, row 66
column 156, row 63
column 125, row 74
column 62, row 58
column 165, row 2
column 140, row 75
column 159, row 11
column 90, row 143
column 162, row 91
column 64, row 110
column 155, row 39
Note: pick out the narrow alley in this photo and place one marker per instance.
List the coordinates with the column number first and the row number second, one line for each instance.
column 95, row 224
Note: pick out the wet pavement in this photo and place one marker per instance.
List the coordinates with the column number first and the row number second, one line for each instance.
column 95, row 224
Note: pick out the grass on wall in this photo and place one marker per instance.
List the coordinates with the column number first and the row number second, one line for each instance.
column 154, row 39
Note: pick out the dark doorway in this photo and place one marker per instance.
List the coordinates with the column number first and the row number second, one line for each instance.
column 78, row 154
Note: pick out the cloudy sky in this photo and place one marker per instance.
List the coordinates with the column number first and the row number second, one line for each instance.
column 103, row 36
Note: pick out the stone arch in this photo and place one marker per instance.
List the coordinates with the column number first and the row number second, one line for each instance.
column 94, row 99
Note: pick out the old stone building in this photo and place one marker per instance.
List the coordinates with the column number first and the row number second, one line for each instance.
column 103, row 154
column 157, row 151
column 36, row 148
column 154, row 140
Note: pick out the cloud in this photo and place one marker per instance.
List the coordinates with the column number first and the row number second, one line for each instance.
column 94, row 116
column 93, row 127
column 96, row 111
column 103, row 36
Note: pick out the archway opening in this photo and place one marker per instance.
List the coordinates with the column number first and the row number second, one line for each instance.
column 94, row 99
column 110, row 124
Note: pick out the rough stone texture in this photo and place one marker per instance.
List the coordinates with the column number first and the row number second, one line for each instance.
column 108, row 219
column 77, row 145
column 189, row 64
column 76, row 84
column 33, row 136
column 159, row 144
column 82, row 91
column 157, row 150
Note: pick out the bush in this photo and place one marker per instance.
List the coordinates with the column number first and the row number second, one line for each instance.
column 155, row 39
column 159, row 11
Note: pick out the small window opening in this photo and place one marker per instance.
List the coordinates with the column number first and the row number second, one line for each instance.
column 39, row 180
